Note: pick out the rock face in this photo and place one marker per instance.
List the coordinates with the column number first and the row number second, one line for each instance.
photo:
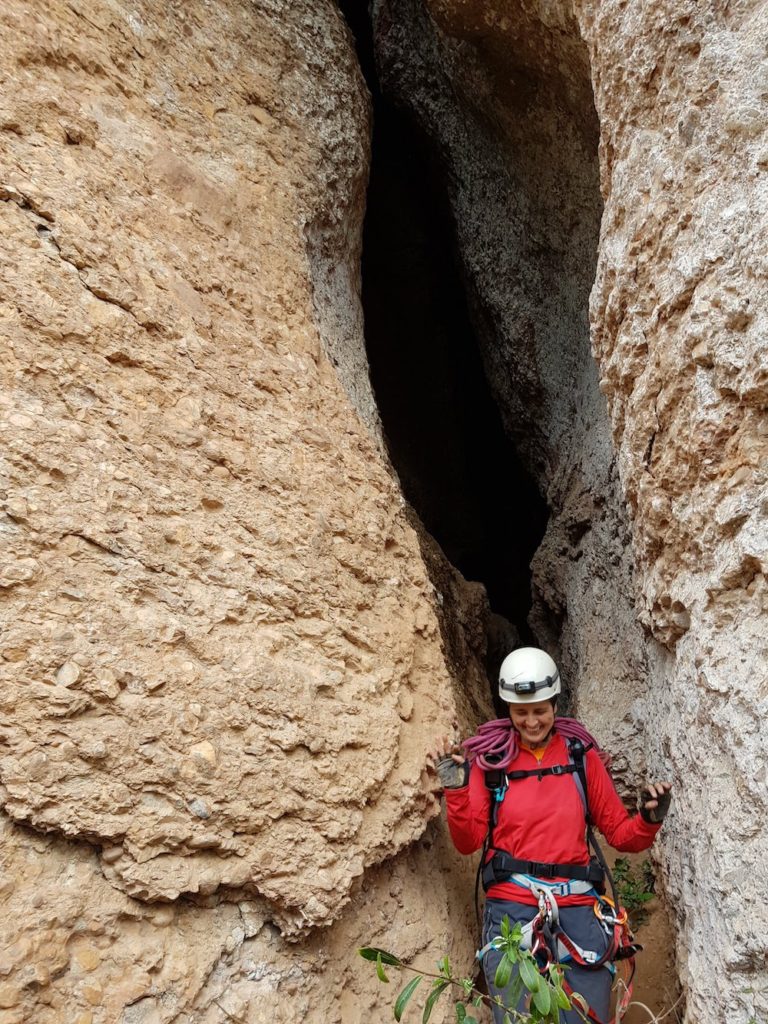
column 77, row 949
column 222, row 657
column 677, row 330
column 679, row 325
column 226, row 649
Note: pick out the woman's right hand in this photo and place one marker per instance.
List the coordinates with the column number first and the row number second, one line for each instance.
column 447, row 760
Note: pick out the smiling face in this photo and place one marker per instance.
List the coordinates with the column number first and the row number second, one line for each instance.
column 533, row 721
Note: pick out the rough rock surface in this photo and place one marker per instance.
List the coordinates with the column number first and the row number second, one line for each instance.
column 221, row 641
column 77, row 950
column 677, row 319
column 222, row 659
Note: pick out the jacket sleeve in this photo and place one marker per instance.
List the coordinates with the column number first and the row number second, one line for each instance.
column 629, row 834
column 468, row 809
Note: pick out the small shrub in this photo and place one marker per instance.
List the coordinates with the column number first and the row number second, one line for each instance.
column 518, row 973
column 635, row 888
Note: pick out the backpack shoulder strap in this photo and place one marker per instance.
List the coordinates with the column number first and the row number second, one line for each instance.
column 577, row 754
column 496, row 782
column 577, row 751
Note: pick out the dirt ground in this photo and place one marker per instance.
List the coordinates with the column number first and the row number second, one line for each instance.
column 655, row 984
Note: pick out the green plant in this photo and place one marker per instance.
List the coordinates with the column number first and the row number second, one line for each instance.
column 635, row 888
column 518, row 973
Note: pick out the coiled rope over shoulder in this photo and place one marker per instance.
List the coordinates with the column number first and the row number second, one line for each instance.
column 495, row 744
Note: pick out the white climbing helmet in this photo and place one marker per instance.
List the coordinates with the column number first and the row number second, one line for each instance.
column 527, row 675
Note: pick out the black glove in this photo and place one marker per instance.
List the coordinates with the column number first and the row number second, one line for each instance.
column 655, row 815
column 452, row 775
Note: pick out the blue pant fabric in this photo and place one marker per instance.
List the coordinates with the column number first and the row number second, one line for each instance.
column 581, row 925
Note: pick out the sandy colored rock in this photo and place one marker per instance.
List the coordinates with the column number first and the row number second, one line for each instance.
column 678, row 321
column 162, row 329
column 109, row 957
column 226, row 650
column 222, row 659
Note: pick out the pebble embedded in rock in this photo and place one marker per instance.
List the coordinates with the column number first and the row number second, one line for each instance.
column 204, row 752
column 68, row 674
column 18, row 571
column 89, row 958
column 163, row 916
column 108, row 686
column 199, row 808
column 94, row 994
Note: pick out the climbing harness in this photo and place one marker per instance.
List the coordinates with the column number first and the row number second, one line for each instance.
column 544, row 935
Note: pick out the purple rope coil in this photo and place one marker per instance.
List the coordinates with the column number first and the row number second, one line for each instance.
column 500, row 742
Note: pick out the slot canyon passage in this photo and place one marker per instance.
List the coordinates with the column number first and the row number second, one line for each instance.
column 228, row 640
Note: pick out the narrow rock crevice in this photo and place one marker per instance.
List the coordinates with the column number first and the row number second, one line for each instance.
column 479, row 254
column 457, row 464
column 480, row 249
column 486, row 160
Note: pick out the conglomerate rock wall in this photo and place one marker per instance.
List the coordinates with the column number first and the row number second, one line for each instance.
column 221, row 654
column 678, row 327
column 223, row 657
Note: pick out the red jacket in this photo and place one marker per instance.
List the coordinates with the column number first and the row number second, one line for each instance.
column 543, row 820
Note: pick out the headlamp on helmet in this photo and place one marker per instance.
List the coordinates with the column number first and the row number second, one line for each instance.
column 528, row 675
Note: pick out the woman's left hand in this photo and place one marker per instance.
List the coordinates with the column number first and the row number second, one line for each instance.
column 654, row 802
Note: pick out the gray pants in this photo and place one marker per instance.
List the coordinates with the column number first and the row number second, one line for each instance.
column 579, row 924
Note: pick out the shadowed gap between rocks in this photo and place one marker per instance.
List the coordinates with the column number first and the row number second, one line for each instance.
column 480, row 250
column 458, row 468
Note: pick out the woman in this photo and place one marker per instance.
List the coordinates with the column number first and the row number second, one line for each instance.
column 538, row 805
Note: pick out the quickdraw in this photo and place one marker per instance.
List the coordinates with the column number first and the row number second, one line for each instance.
column 542, row 934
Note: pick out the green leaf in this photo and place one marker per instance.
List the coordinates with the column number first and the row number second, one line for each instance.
column 461, row 1013
column 444, row 966
column 382, row 974
column 542, row 999
column 478, row 1001
column 505, row 927
column 372, row 953
column 405, row 995
column 470, row 1020
column 503, row 972
column 556, row 973
column 438, row 987
column 529, row 974
column 562, row 999
column 514, row 991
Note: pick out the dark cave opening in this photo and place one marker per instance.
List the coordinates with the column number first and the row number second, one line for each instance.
column 458, row 468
